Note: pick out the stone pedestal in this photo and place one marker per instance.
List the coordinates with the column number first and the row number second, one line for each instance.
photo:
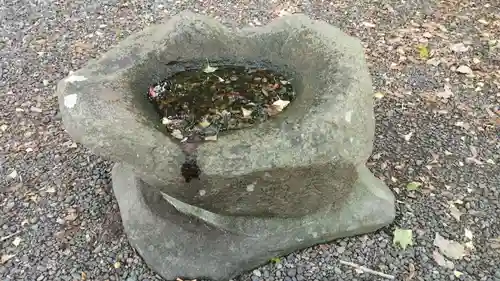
column 179, row 240
column 289, row 183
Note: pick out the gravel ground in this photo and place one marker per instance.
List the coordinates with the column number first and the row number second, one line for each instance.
column 59, row 219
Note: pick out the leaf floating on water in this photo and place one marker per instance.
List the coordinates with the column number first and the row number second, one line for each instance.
column 166, row 121
column 246, row 112
column 209, row 68
column 204, row 123
column 403, row 237
column 211, row 138
column 451, row 249
column 177, row 134
column 280, row 104
column 220, row 78
column 441, row 260
column 414, row 185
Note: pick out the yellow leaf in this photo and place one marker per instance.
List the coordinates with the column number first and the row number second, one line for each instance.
column 403, row 237
column 117, row 264
column 423, row 52
column 457, row 273
column 378, row 95
column 413, row 186
column 204, row 123
column 275, row 260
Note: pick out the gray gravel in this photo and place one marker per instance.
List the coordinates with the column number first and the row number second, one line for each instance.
column 62, row 208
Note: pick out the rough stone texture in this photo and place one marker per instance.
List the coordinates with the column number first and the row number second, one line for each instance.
column 176, row 243
column 301, row 161
column 287, row 184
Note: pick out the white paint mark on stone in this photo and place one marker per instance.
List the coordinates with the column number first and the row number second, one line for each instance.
column 250, row 187
column 75, row 78
column 70, row 100
column 202, row 192
column 348, row 116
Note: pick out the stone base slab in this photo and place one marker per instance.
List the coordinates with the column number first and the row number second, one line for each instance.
column 179, row 240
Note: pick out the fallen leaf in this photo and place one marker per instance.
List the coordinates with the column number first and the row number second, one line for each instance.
column 483, row 21
column 459, row 48
column 211, row 138
column 368, row 24
column 468, row 234
column 454, row 211
column 280, row 104
column 16, row 241
column 442, row 261
column 71, row 217
column 12, row 175
column 209, row 68
column 495, row 243
column 378, row 95
column 434, row 61
column 246, row 112
column 117, row 264
column 447, row 93
column 464, row 69
column 403, row 237
column 423, row 52
column 84, row 276
column 275, row 260
column 451, row 249
column 177, row 134
column 5, row 258
column 204, row 123
column 407, row 137
column 413, row 186
column 411, row 272
column 457, row 273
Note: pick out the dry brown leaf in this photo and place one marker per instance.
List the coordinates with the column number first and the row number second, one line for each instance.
column 411, row 272
column 454, row 211
column 442, row 261
column 464, row 69
column 459, row 48
column 71, row 216
column 446, row 94
column 4, row 258
column 451, row 249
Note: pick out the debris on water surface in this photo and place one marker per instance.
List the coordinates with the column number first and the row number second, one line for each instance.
column 208, row 101
column 198, row 104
